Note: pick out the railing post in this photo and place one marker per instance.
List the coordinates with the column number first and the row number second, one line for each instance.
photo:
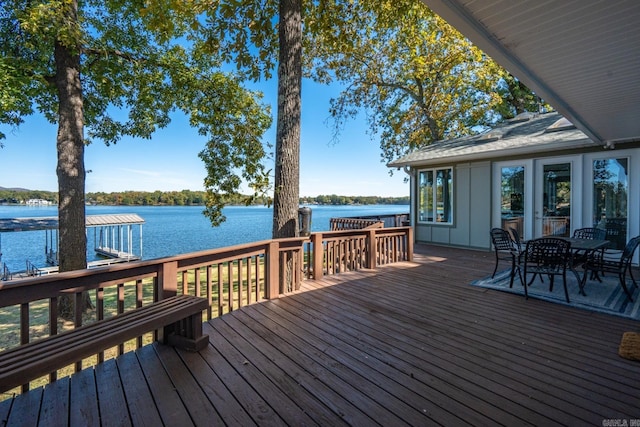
column 318, row 255
column 372, row 248
column 167, row 280
column 299, row 268
column 271, row 269
column 410, row 244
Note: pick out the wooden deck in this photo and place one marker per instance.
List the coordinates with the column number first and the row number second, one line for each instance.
column 407, row 344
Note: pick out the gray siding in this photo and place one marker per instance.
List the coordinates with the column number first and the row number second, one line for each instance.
column 480, row 202
column 472, row 210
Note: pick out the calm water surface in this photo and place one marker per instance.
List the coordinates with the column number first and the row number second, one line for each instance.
column 171, row 230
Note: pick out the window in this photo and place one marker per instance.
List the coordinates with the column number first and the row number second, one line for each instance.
column 512, row 198
column 435, row 201
column 610, row 198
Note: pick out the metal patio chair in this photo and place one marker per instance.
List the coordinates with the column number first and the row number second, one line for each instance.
column 547, row 256
column 590, row 233
column 505, row 249
column 605, row 263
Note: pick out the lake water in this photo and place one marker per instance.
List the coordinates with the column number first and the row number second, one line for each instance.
column 171, row 230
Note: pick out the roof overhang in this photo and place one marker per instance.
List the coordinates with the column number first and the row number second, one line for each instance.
column 493, row 154
column 580, row 56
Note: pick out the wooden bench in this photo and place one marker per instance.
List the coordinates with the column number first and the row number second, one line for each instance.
column 179, row 318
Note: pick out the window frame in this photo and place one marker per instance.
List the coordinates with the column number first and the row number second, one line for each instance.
column 434, row 196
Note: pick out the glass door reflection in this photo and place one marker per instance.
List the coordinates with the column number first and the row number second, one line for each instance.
column 610, row 199
column 512, row 198
column 556, row 199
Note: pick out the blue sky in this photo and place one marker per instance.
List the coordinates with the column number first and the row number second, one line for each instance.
column 170, row 162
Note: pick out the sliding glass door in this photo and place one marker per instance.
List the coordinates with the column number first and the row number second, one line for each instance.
column 554, row 196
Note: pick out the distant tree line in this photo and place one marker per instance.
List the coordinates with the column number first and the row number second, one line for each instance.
column 21, row 196
column 334, row 199
column 187, row 198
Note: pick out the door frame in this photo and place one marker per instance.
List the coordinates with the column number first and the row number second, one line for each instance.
column 633, row 202
column 528, row 191
column 576, row 202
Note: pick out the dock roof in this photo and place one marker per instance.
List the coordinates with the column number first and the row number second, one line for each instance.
column 51, row 222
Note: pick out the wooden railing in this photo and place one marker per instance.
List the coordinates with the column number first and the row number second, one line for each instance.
column 555, row 226
column 227, row 277
column 350, row 250
column 354, row 223
column 388, row 220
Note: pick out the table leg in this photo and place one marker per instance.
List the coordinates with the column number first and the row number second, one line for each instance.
column 572, row 267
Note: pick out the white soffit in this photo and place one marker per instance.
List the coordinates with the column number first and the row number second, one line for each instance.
column 580, row 56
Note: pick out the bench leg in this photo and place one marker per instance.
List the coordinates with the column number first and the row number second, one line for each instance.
column 187, row 334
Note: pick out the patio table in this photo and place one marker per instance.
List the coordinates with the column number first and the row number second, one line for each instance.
column 588, row 246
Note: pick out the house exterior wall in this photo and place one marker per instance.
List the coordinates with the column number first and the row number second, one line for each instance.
column 472, row 209
column 475, row 194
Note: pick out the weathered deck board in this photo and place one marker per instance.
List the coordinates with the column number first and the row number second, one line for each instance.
column 111, row 396
column 451, row 356
column 140, row 403
column 409, row 344
column 83, row 402
column 292, row 379
column 54, row 410
column 231, row 412
column 172, row 410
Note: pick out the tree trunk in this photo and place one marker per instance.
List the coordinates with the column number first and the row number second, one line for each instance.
column 287, row 168
column 72, row 247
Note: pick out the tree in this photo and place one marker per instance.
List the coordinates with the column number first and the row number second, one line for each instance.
column 517, row 98
column 256, row 44
column 287, row 171
column 112, row 68
column 416, row 77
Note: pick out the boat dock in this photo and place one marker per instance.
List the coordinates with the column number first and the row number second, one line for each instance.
column 113, row 241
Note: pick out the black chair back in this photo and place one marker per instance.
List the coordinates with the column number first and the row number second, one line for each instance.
column 621, row 265
column 501, row 240
column 616, row 232
column 547, row 255
column 629, row 249
column 592, row 233
column 516, row 237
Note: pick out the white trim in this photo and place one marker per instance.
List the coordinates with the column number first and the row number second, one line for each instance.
column 496, row 191
column 452, row 195
column 576, row 203
column 633, row 192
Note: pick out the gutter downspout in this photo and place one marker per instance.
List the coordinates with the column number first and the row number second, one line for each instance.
column 412, row 191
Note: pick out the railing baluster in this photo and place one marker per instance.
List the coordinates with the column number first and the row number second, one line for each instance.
column 240, row 283
column 196, row 282
column 100, row 315
column 230, row 282
column 220, row 290
column 139, row 300
column 250, row 291
column 53, row 328
column 24, row 332
column 209, row 290
column 185, row 282
column 77, row 308
column 258, row 277
column 120, row 311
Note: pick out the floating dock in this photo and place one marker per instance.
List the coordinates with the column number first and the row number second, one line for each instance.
column 113, row 240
